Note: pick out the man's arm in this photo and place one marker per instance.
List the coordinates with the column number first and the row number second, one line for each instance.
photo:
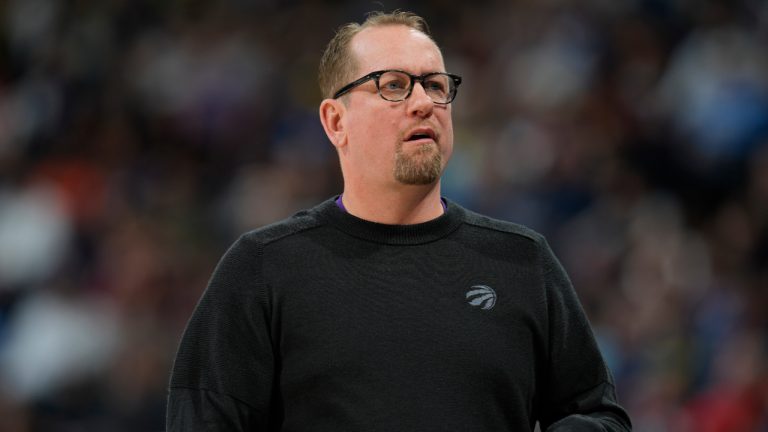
column 579, row 392
column 223, row 375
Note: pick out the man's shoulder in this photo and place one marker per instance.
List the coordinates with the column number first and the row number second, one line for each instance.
column 501, row 226
column 298, row 223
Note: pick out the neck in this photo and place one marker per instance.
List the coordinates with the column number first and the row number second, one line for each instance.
column 404, row 205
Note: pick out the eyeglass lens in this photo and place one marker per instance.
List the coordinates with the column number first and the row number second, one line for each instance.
column 395, row 86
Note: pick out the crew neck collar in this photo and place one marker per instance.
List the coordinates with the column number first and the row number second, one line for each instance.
column 424, row 232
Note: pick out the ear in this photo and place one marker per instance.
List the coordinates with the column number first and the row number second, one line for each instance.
column 331, row 114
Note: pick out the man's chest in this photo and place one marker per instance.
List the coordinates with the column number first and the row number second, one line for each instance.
column 435, row 315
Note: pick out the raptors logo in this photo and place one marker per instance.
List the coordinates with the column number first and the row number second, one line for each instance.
column 482, row 296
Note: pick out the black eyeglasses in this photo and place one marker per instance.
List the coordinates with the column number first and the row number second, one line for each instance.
column 397, row 85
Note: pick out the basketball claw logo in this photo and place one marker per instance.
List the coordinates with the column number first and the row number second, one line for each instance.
column 483, row 296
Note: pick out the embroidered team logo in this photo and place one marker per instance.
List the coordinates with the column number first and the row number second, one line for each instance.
column 482, row 296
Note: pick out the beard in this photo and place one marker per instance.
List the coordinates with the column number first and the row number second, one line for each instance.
column 422, row 167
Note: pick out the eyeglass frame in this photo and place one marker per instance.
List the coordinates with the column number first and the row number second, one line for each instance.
column 376, row 75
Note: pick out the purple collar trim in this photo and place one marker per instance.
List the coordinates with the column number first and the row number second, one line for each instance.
column 340, row 203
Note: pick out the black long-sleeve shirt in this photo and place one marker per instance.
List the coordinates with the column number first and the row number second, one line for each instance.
column 327, row 322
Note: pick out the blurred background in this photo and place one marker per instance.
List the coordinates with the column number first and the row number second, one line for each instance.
column 139, row 138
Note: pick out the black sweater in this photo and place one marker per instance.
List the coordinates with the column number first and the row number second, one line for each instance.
column 326, row 322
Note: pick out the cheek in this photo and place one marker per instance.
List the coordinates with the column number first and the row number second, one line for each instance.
column 374, row 142
column 448, row 148
column 447, row 141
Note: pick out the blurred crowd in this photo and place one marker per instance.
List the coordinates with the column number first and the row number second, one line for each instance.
column 139, row 138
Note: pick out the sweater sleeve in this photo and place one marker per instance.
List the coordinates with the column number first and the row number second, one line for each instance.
column 579, row 392
column 223, row 376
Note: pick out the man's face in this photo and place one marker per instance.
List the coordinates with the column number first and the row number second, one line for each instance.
column 391, row 143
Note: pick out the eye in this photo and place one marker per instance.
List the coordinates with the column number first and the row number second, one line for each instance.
column 393, row 83
column 436, row 85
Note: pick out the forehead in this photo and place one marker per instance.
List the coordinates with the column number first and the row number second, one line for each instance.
column 395, row 47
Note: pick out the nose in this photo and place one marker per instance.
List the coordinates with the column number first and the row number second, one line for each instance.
column 420, row 104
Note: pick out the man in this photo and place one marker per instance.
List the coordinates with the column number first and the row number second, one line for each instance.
column 389, row 308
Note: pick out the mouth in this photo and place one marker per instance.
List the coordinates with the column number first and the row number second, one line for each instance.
column 421, row 134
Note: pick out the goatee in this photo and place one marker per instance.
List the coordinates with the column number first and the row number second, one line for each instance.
column 423, row 167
